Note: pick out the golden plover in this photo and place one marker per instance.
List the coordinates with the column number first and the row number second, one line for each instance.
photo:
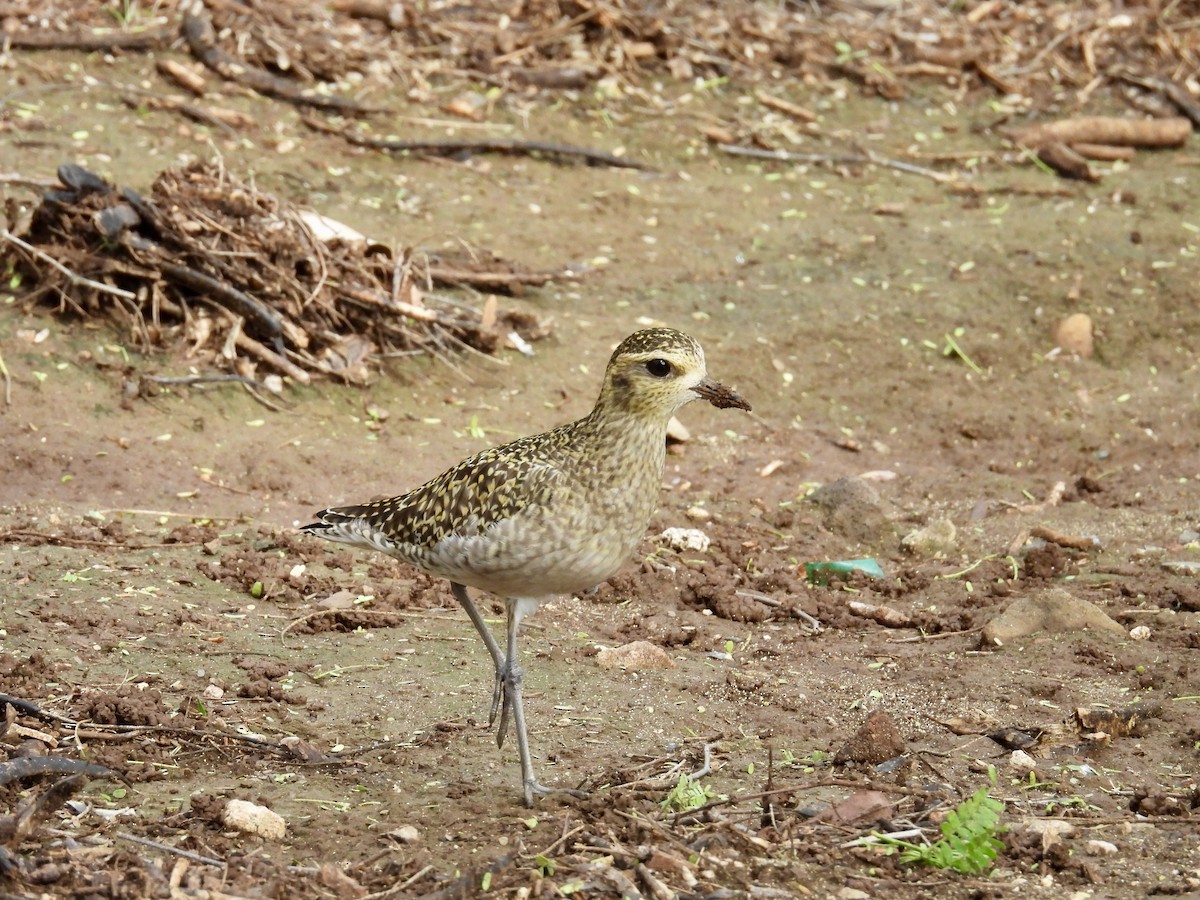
column 550, row 514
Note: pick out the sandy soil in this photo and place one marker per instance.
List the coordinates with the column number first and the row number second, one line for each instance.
column 153, row 576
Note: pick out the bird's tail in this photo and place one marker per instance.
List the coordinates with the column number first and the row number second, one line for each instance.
column 349, row 525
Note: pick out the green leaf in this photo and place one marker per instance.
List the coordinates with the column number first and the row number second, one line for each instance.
column 968, row 843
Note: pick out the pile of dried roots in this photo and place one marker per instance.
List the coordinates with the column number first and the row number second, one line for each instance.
column 244, row 279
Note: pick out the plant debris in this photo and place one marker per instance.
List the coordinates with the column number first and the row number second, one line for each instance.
column 243, row 279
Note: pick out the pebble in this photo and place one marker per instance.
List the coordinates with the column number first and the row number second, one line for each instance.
column 1074, row 334
column 338, row 600
column 1054, row 611
column 1049, row 828
column 1022, row 761
column 1181, row 566
column 677, row 431
column 938, row 538
column 686, row 539
column 405, row 834
column 250, row 818
column 1139, row 633
column 636, row 656
column 1102, row 848
column 771, row 468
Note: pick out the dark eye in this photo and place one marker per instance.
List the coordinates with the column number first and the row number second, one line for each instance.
column 659, row 368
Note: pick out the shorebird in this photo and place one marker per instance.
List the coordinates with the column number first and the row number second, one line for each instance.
column 549, row 514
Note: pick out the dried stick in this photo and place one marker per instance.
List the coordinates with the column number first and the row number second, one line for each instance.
column 482, row 145
column 198, row 379
column 28, row 180
column 7, row 382
column 488, row 280
column 1150, row 133
column 201, row 40
column 74, row 277
column 166, row 848
column 270, row 357
column 90, row 41
column 845, row 158
column 238, row 302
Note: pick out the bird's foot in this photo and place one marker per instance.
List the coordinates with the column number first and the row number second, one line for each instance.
column 534, row 789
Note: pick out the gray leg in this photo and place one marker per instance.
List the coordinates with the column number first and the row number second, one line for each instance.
column 514, row 701
column 507, row 697
column 464, row 599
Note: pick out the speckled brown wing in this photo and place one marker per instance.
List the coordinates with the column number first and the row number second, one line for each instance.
column 461, row 502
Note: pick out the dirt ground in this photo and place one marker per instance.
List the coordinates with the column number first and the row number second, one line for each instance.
column 162, row 616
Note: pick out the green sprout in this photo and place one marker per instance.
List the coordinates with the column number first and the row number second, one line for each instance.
column 687, row 794
column 968, row 843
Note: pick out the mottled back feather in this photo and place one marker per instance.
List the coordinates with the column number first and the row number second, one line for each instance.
column 463, row 501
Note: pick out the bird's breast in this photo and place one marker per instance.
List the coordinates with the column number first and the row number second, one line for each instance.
column 575, row 537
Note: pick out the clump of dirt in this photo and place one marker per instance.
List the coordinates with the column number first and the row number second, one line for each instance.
column 126, row 706
column 346, row 620
column 26, row 676
column 191, row 533
column 268, row 669
column 263, row 676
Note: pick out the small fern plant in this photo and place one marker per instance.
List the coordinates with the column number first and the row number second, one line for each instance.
column 968, row 843
column 688, row 794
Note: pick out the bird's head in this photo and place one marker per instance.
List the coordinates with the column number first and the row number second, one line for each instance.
column 653, row 373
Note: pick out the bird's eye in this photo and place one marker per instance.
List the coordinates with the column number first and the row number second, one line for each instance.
column 659, row 368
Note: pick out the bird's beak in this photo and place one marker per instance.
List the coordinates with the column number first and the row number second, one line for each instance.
column 720, row 396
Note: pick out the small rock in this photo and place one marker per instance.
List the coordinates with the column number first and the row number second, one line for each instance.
column 698, row 514
column 338, row 883
column 1181, row 566
column 250, row 818
column 1102, row 848
column 468, row 105
column 637, row 656
column 340, row 600
column 876, row 741
column 878, row 475
column 1051, row 830
column 938, row 538
column 405, row 834
column 1022, row 761
column 1139, row 633
column 771, row 468
column 853, row 509
column 686, row 539
column 661, row 861
column 1054, row 611
column 677, row 431
column 1074, row 335
column 861, row 806
column 212, row 692
column 849, row 893
column 1188, row 536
